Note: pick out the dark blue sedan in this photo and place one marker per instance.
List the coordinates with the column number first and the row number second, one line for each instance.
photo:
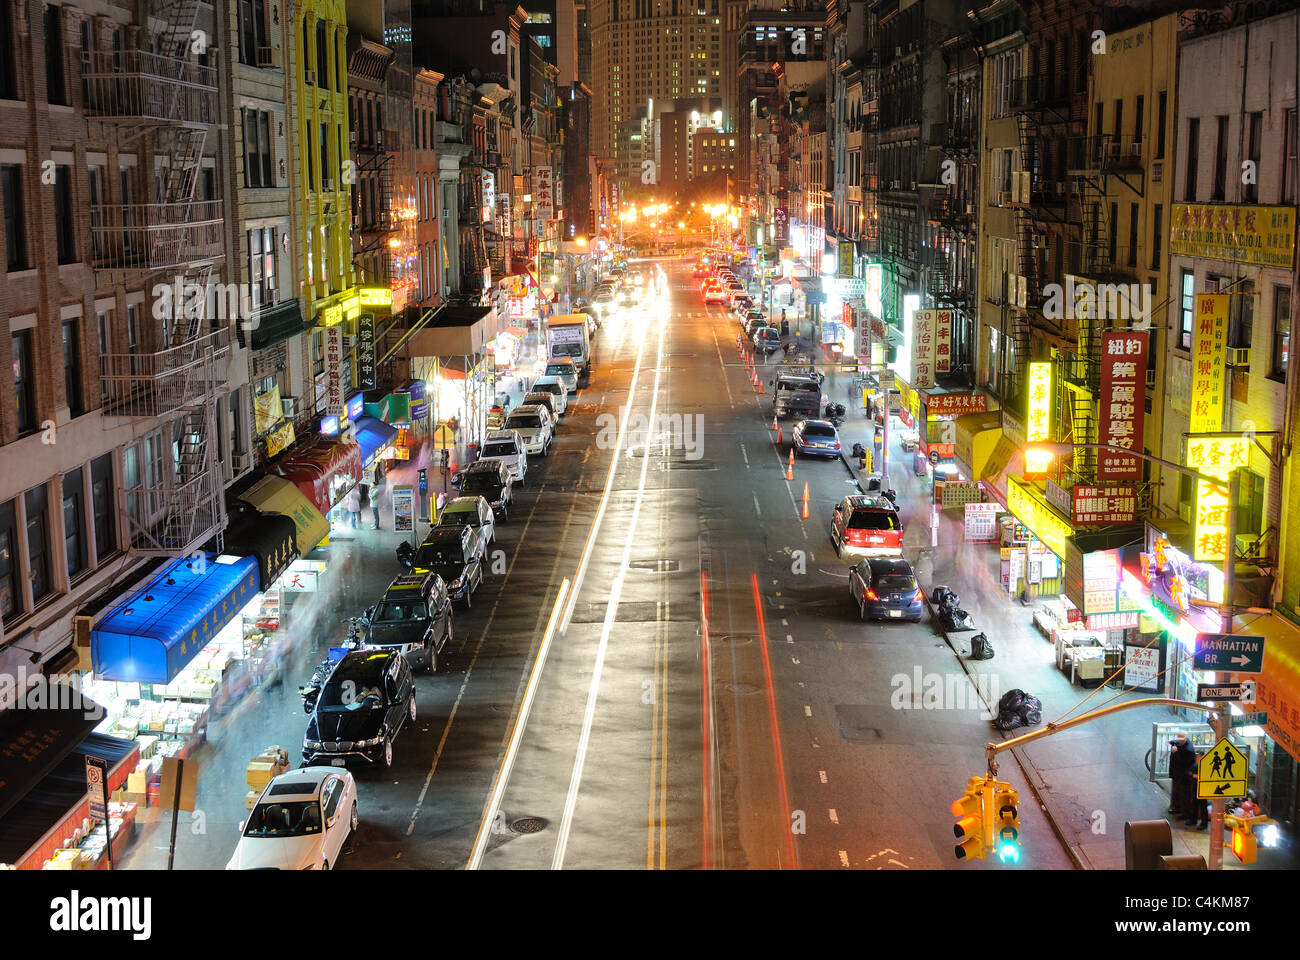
column 885, row 588
column 817, row 438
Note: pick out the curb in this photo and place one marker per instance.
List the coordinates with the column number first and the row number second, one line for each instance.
column 1030, row 780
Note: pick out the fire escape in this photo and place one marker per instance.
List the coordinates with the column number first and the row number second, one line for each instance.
column 165, row 96
column 374, row 219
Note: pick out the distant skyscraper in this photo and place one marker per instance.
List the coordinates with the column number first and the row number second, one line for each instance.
column 643, row 50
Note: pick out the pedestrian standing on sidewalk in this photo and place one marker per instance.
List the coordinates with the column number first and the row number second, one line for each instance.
column 364, row 501
column 1182, row 769
column 379, row 492
column 352, row 504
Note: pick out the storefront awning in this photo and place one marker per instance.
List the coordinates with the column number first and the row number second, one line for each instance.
column 59, row 797
column 37, row 740
column 977, row 437
column 158, row 630
column 994, row 473
column 323, row 469
column 1277, row 689
column 275, row 495
column 373, row 435
column 269, row 537
column 1031, row 508
column 459, row 330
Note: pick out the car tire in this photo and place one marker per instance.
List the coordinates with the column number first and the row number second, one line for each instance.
column 468, row 598
column 388, row 753
column 353, row 821
column 862, row 610
column 410, row 710
column 430, row 662
column 325, row 865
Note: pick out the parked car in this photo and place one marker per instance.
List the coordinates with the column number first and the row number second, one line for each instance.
column 885, row 589
column 754, row 324
column 767, row 340
column 533, row 425
column 508, row 447
column 817, row 438
column 360, row 710
column 796, row 394
column 413, row 618
column 473, row 512
column 489, row 479
column 554, row 386
column 302, row 821
column 453, row 552
column 866, row 527
column 566, row 370
column 543, row 399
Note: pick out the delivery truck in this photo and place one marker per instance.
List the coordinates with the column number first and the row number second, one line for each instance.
column 566, row 336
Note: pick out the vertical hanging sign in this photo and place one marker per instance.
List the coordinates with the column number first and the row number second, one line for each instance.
column 333, row 336
column 543, row 193
column 1123, row 403
column 943, row 341
column 923, row 347
column 1209, row 338
column 366, row 350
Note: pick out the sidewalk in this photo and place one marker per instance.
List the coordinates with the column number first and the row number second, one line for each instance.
column 1089, row 780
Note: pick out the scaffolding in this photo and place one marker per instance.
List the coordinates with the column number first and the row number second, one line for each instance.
column 175, row 506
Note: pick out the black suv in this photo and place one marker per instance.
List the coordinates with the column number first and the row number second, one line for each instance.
column 413, row 618
column 489, row 479
column 453, row 553
column 360, row 709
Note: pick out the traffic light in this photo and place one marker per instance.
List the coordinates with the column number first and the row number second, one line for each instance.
column 1242, row 842
column 973, row 840
column 1006, row 810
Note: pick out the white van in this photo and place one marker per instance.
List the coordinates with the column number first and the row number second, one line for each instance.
column 556, row 386
column 508, row 447
column 533, row 424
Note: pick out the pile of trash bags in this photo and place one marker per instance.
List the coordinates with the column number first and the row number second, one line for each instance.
column 1018, row 709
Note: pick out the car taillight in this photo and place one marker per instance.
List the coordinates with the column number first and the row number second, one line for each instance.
column 920, row 594
column 836, row 446
column 871, row 594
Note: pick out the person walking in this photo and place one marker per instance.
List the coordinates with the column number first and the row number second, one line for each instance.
column 364, row 501
column 380, row 491
column 1182, row 770
column 352, row 505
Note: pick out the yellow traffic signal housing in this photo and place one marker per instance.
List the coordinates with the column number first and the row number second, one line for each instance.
column 1242, row 841
column 973, row 824
column 1006, row 811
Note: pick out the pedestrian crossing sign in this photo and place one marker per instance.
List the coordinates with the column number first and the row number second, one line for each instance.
column 1222, row 772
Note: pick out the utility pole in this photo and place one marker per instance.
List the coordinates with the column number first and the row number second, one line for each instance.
column 1220, row 718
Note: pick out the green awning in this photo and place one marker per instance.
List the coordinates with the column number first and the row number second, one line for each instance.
column 277, row 324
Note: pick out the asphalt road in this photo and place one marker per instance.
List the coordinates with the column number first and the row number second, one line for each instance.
column 704, row 696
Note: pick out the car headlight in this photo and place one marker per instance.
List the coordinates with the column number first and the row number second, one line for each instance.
column 458, row 582
column 312, row 744
column 372, row 742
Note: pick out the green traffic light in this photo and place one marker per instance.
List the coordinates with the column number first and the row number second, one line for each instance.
column 1009, row 853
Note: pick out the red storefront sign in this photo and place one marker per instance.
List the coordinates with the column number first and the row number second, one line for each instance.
column 955, row 404
column 943, row 341
column 1104, row 504
column 1123, row 399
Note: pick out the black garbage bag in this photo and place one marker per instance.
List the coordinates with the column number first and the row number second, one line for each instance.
column 980, row 648
column 859, row 451
column 1018, row 709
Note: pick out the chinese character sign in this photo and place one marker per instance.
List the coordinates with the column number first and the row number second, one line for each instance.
column 366, row 350
column 782, row 221
column 543, row 193
column 506, row 228
column 1245, row 234
column 1104, row 505
column 1039, row 413
column 923, row 347
column 1209, row 337
column 333, row 344
column 1123, row 403
column 845, row 251
column 943, row 341
column 956, row 404
column 489, row 195
column 1217, row 457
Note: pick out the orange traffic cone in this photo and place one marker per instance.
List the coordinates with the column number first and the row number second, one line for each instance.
column 775, row 425
column 805, row 511
column 805, row 492
column 779, row 438
column 760, row 387
column 789, row 467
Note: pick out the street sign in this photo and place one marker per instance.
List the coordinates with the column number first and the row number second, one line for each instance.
column 1230, row 691
column 443, row 438
column 1221, row 772
column 1229, row 653
column 96, row 773
column 1249, row 720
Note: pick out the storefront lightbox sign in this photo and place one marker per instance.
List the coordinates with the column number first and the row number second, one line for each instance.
column 955, row 404
column 419, row 400
column 943, row 341
column 356, row 407
column 489, row 195
column 903, row 365
column 1038, row 517
column 1217, row 457
column 1209, row 340
column 375, row 297
column 1123, row 405
column 334, row 399
column 1038, row 414
column 299, row 581
column 366, row 350
column 329, row 426
column 923, row 349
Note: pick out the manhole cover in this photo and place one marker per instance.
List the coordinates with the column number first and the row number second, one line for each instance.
column 739, row 688
column 860, row 734
column 689, row 465
column 737, row 639
column 528, row 825
column 658, row 566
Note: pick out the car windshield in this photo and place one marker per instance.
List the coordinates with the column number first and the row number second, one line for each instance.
column 351, row 693
column 896, row 582
column 458, row 518
column 874, row 520
column 439, row 555
column 768, row 333
column 565, row 350
column 558, row 370
column 818, row 430
column 296, row 818
column 393, row 611
column 499, row 450
column 481, row 483
column 787, row 385
column 524, row 422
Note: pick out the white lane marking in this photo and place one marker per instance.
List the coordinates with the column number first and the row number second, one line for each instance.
column 615, row 592
column 516, row 735
column 756, row 509
column 785, row 623
column 723, row 364
column 835, row 817
column 844, row 858
column 745, row 455
column 788, row 637
column 807, row 710
column 821, row 775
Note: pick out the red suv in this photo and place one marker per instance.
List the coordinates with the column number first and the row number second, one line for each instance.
column 863, row 526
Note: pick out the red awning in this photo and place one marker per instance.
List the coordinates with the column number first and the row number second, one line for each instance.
column 324, row 470
column 517, row 332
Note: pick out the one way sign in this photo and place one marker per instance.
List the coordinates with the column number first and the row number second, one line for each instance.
column 1229, row 653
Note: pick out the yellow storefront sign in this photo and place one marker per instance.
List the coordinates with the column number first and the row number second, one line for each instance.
column 1243, row 234
column 1038, row 517
column 1039, row 414
column 268, row 410
column 279, row 439
column 1217, row 457
column 376, row 297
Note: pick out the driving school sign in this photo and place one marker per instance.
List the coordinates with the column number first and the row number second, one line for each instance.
column 955, row 404
column 1123, row 403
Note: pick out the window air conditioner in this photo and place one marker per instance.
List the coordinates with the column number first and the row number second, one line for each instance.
column 241, row 462
column 309, row 77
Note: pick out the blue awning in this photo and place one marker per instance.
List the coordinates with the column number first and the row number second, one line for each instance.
column 154, row 634
column 373, row 435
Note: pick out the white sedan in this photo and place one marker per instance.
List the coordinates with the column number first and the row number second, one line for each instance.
column 301, row 822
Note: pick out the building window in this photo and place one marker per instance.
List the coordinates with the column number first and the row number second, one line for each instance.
column 322, row 57
column 104, row 323
column 55, row 88
column 38, row 543
column 252, row 31
column 317, row 353
column 15, row 236
column 24, row 382
column 74, row 513
column 1255, row 132
column 1157, row 238
column 1241, row 315
column 1193, row 155
column 1162, row 107
column 1187, row 313
column 1220, row 158
column 72, row 368
column 261, row 266
column 257, row 149
column 103, row 507
column 1133, row 235
column 1288, row 155
column 1281, row 333
column 64, row 230
column 10, row 584
column 8, row 73
column 133, row 336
